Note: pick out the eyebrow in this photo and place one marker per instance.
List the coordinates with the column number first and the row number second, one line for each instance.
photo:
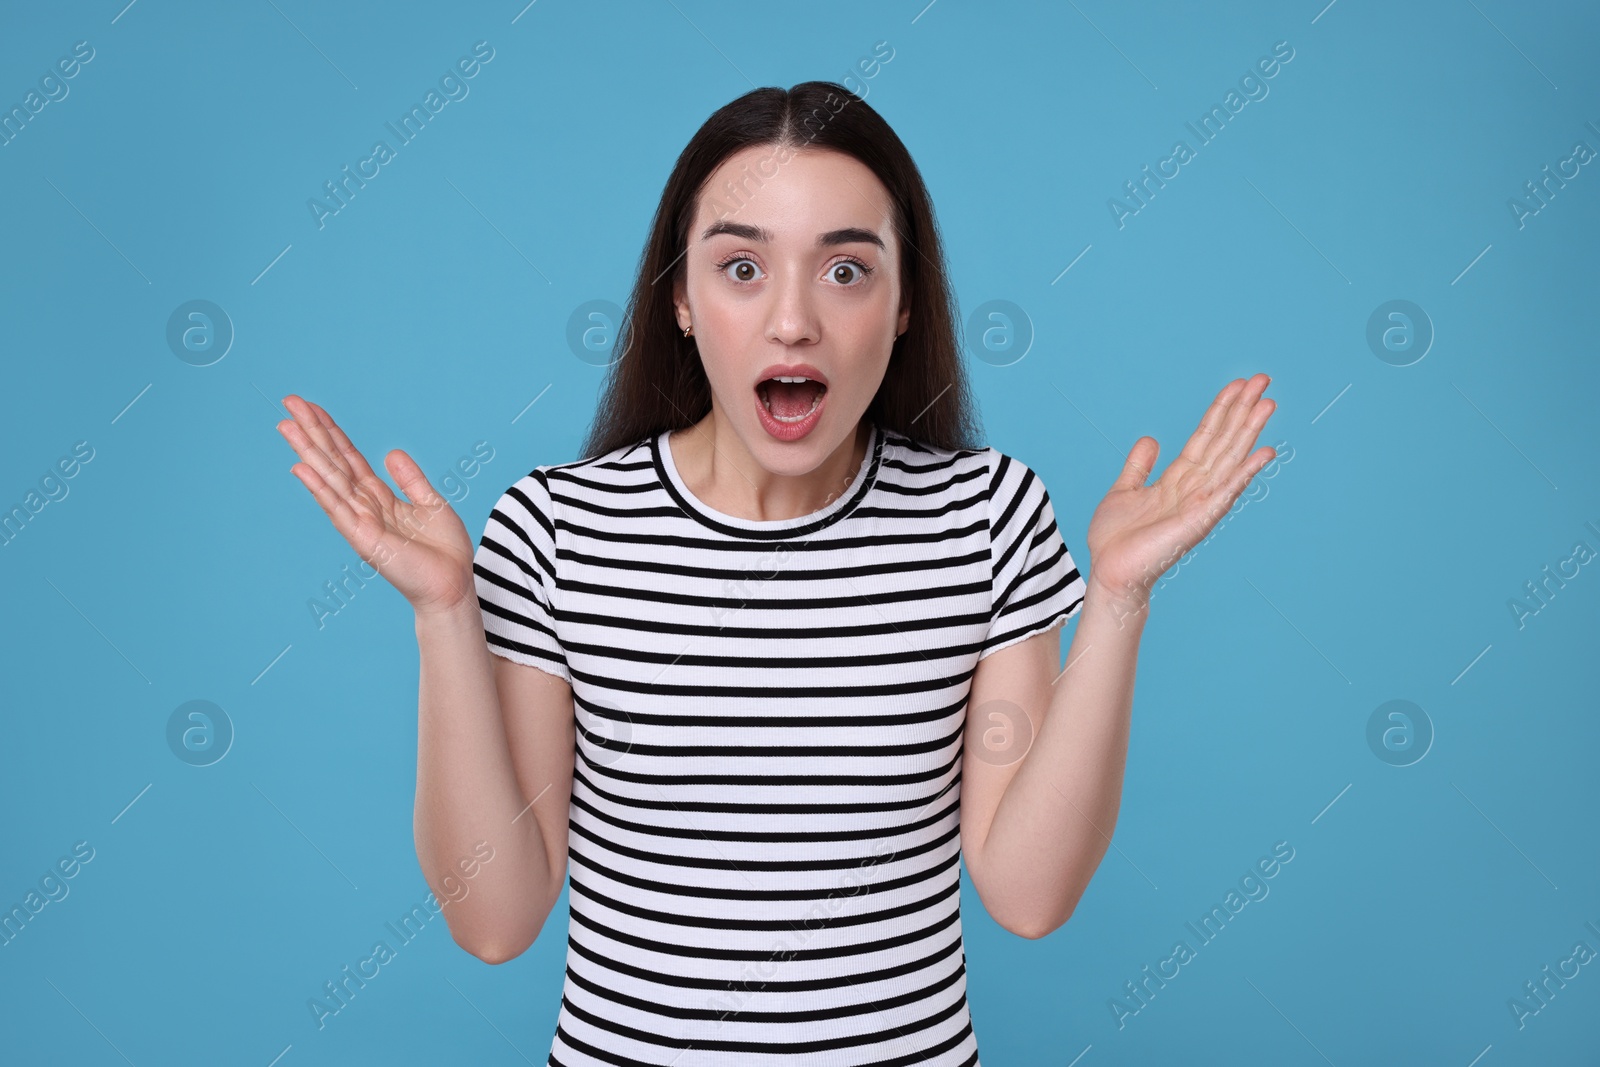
column 847, row 235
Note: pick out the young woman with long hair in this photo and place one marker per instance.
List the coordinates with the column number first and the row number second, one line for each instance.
column 781, row 653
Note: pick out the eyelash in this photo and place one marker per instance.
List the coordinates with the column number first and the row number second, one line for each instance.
column 866, row 271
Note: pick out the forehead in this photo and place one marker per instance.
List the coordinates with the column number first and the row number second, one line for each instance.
column 795, row 195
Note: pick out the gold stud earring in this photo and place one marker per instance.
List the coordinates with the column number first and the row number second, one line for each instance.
column 688, row 330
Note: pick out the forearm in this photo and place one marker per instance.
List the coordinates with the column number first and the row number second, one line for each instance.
column 467, row 793
column 1053, row 824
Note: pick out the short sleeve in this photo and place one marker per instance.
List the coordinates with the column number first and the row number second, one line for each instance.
column 1036, row 584
column 514, row 571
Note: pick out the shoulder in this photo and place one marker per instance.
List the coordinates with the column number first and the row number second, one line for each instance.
column 1011, row 490
column 547, row 485
column 910, row 459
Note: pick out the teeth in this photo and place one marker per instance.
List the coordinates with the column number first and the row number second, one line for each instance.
column 792, row 381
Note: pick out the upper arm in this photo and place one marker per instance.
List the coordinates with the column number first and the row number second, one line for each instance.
column 536, row 708
column 514, row 569
column 1005, row 709
column 1035, row 586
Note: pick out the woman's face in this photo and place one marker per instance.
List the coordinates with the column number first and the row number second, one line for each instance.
column 799, row 268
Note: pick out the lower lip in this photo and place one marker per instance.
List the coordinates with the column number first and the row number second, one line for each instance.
column 788, row 431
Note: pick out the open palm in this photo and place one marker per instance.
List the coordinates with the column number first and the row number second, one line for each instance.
column 1139, row 531
column 420, row 545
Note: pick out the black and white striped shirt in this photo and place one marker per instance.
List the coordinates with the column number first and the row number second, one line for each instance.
column 764, row 833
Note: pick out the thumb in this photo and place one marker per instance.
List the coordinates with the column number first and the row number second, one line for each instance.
column 408, row 475
column 1141, row 460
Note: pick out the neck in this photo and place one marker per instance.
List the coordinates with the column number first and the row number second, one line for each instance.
column 724, row 474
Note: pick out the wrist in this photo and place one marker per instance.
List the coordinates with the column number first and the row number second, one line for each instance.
column 1123, row 607
column 464, row 614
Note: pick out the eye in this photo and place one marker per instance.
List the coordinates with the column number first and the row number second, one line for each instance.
column 745, row 276
column 854, row 269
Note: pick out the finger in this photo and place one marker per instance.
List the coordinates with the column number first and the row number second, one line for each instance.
column 313, row 455
column 1141, row 460
column 409, row 477
column 316, row 458
column 1238, row 445
column 355, row 528
column 1246, row 472
column 1243, row 406
column 362, row 471
column 311, row 425
column 1210, row 424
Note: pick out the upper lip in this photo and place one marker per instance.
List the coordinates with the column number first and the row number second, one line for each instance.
column 793, row 370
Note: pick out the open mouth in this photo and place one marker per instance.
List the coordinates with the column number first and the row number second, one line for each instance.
column 790, row 399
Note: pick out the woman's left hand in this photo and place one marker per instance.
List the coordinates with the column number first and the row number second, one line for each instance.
column 1140, row 530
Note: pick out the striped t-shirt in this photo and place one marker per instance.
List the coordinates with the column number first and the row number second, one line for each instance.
column 764, row 830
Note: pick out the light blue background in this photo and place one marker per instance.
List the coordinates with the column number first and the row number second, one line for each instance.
column 433, row 309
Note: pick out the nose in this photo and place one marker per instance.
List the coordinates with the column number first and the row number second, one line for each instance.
column 792, row 320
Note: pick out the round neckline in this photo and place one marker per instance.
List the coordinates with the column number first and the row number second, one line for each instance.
column 671, row 480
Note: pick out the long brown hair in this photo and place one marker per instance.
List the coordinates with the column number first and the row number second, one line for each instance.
column 659, row 382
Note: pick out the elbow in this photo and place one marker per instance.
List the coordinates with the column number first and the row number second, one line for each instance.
column 497, row 953
column 494, row 952
column 1035, row 927
column 495, row 946
column 500, row 943
column 1032, row 932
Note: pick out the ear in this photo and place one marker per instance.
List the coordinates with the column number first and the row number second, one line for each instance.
column 680, row 301
column 904, row 321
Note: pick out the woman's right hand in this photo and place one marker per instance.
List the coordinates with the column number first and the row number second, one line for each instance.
column 420, row 546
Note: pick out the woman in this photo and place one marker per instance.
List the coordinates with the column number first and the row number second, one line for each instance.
column 734, row 648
